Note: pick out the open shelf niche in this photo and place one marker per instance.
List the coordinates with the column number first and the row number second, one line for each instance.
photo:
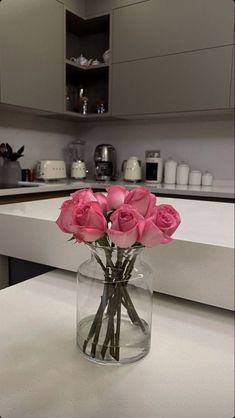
column 91, row 39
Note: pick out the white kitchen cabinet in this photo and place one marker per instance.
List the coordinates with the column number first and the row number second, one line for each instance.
column 32, row 54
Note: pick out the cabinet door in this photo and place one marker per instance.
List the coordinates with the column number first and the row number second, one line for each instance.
column 183, row 82
column 77, row 6
column 232, row 83
column 32, row 54
column 120, row 3
column 161, row 27
column 96, row 7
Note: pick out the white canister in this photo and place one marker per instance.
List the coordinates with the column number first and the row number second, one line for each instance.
column 207, row 179
column 195, row 178
column 170, row 171
column 182, row 173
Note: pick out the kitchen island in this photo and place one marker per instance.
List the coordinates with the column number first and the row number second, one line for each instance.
column 198, row 265
column 188, row 372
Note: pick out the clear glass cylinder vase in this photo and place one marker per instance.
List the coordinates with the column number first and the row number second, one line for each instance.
column 114, row 305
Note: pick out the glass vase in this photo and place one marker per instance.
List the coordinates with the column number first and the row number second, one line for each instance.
column 114, row 305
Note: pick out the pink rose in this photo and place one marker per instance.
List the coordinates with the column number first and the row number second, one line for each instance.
column 90, row 222
column 116, row 196
column 102, row 200
column 159, row 227
column 85, row 221
column 65, row 220
column 167, row 219
column 83, row 196
column 142, row 200
column 124, row 230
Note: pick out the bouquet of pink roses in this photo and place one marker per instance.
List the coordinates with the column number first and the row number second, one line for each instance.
column 120, row 220
column 124, row 218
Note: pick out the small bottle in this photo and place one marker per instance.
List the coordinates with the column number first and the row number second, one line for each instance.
column 195, row 178
column 170, row 171
column 182, row 173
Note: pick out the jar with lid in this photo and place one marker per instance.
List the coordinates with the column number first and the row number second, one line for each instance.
column 207, row 179
column 170, row 171
column 182, row 173
column 195, row 178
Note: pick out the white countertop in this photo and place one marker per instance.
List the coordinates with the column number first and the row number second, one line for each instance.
column 219, row 190
column 197, row 265
column 188, row 372
column 202, row 221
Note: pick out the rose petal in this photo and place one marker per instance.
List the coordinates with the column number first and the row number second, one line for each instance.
column 123, row 239
column 151, row 235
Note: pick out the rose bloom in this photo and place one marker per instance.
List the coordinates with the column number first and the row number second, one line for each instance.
column 167, row 219
column 85, row 221
column 124, row 231
column 65, row 220
column 83, row 196
column 102, row 200
column 142, row 200
column 116, row 196
column 158, row 228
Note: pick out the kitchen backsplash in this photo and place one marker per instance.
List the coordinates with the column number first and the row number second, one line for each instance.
column 206, row 143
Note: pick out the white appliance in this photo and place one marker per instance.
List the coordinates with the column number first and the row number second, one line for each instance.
column 51, row 170
column 78, row 170
column 153, row 167
column 132, row 169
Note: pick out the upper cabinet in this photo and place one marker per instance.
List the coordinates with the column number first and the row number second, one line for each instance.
column 232, row 83
column 159, row 27
column 87, row 65
column 77, row 6
column 32, row 54
column 96, row 7
column 121, row 3
column 192, row 81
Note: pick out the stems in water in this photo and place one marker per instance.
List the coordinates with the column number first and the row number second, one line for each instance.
column 115, row 297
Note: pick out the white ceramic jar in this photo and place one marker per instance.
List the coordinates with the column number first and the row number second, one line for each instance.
column 182, row 173
column 207, row 179
column 195, row 178
column 170, row 171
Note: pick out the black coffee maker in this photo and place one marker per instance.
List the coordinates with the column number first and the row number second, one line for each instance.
column 105, row 162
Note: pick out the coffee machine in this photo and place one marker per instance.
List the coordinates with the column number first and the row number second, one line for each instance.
column 105, row 162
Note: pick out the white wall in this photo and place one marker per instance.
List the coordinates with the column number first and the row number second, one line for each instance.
column 206, row 143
